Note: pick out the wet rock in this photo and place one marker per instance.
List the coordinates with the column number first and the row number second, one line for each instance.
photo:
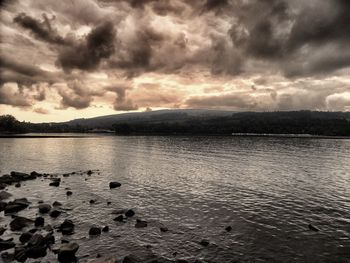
column 44, row 208
column 129, row 213
column 109, row 202
column 105, row 229
column 18, row 185
column 114, row 185
column 67, row 227
column 228, row 228
column 94, row 231
column 119, row 218
column 2, row 206
column 34, row 173
column 25, row 237
column 68, row 193
column 16, row 205
column 21, row 254
column 89, row 172
column 55, row 183
column 92, row 201
column 6, row 244
column 4, row 195
column 2, row 230
column 55, row 213
column 204, row 242
column 313, row 228
column 140, row 223
column 22, row 176
column 67, row 252
column 20, row 222
column 7, row 179
column 39, row 221
column 56, row 203
column 164, row 229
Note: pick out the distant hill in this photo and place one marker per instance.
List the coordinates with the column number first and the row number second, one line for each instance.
column 196, row 122
column 149, row 117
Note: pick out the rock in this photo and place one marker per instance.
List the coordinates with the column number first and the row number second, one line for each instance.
column 164, row 229
column 55, row 213
column 129, row 213
column 204, row 243
column 228, row 228
column 68, row 193
column 4, row 195
column 313, row 228
column 67, row 252
column 25, row 237
column 7, row 179
column 48, row 228
column 119, row 218
column 109, row 202
column 7, row 257
column 105, row 229
column 92, row 201
column 94, row 231
column 67, row 227
column 18, row 185
column 2, row 186
column 34, row 173
column 20, row 222
column 89, row 172
column 44, row 208
column 21, row 254
column 140, row 223
column 55, row 183
column 66, row 175
column 2, row 230
column 56, row 203
column 114, row 185
column 22, row 176
column 39, row 221
column 33, row 230
column 49, row 239
column 2, row 206
column 6, row 244
column 16, row 205
column 40, row 202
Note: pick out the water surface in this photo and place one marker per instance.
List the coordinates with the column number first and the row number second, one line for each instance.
column 267, row 189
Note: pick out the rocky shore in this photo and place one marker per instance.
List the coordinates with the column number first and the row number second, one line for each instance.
column 34, row 239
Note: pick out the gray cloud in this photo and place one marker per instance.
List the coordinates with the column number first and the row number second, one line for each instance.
column 122, row 102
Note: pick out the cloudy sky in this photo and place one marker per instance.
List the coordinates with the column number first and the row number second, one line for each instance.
column 67, row 59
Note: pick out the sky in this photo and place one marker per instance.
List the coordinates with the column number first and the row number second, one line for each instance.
column 67, row 59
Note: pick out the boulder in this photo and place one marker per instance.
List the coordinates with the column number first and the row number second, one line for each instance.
column 6, row 244
column 18, row 176
column 119, row 218
column 55, row 213
column 129, row 213
column 39, row 221
column 7, row 179
column 34, row 173
column 21, row 254
column 67, row 227
column 56, row 203
column 140, row 223
column 94, row 231
column 44, row 208
column 67, row 252
column 114, row 185
column 20, row 222
column 25, row 237
column 16, row 205
column 55, row 183
column 69, row 193
column 105, row 229
column 18, row 185
column 4, row 195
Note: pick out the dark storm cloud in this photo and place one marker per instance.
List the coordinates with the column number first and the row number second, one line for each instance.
column 40, row 29
column 98, row 45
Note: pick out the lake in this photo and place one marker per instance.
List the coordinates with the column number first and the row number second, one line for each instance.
column 267, row 189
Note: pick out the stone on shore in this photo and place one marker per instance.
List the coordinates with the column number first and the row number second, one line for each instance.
column 25, row 237
column 2, row 230
column 67, row 227
column 140, row 223
column 105, row 229
column 313, row 228
column 129, row 213
column 39, row 221
column 67, row 252
column 94, row 231
column 55, row 183
column 114, row 185
column 20, row 222
column 16, row 205
column 4, row 195
column 55, row 213
column 204, row 242
column 228, row 228
column 119, row 218
column 44, row 208
column 56, row 203
column 6, row 244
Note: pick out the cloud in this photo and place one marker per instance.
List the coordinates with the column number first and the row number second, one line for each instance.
column 14, row 96
column 122, row 102
column 41, row 29
column 98, row 45
column 41, row 110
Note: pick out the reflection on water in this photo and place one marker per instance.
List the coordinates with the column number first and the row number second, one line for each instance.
column 267, row 189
